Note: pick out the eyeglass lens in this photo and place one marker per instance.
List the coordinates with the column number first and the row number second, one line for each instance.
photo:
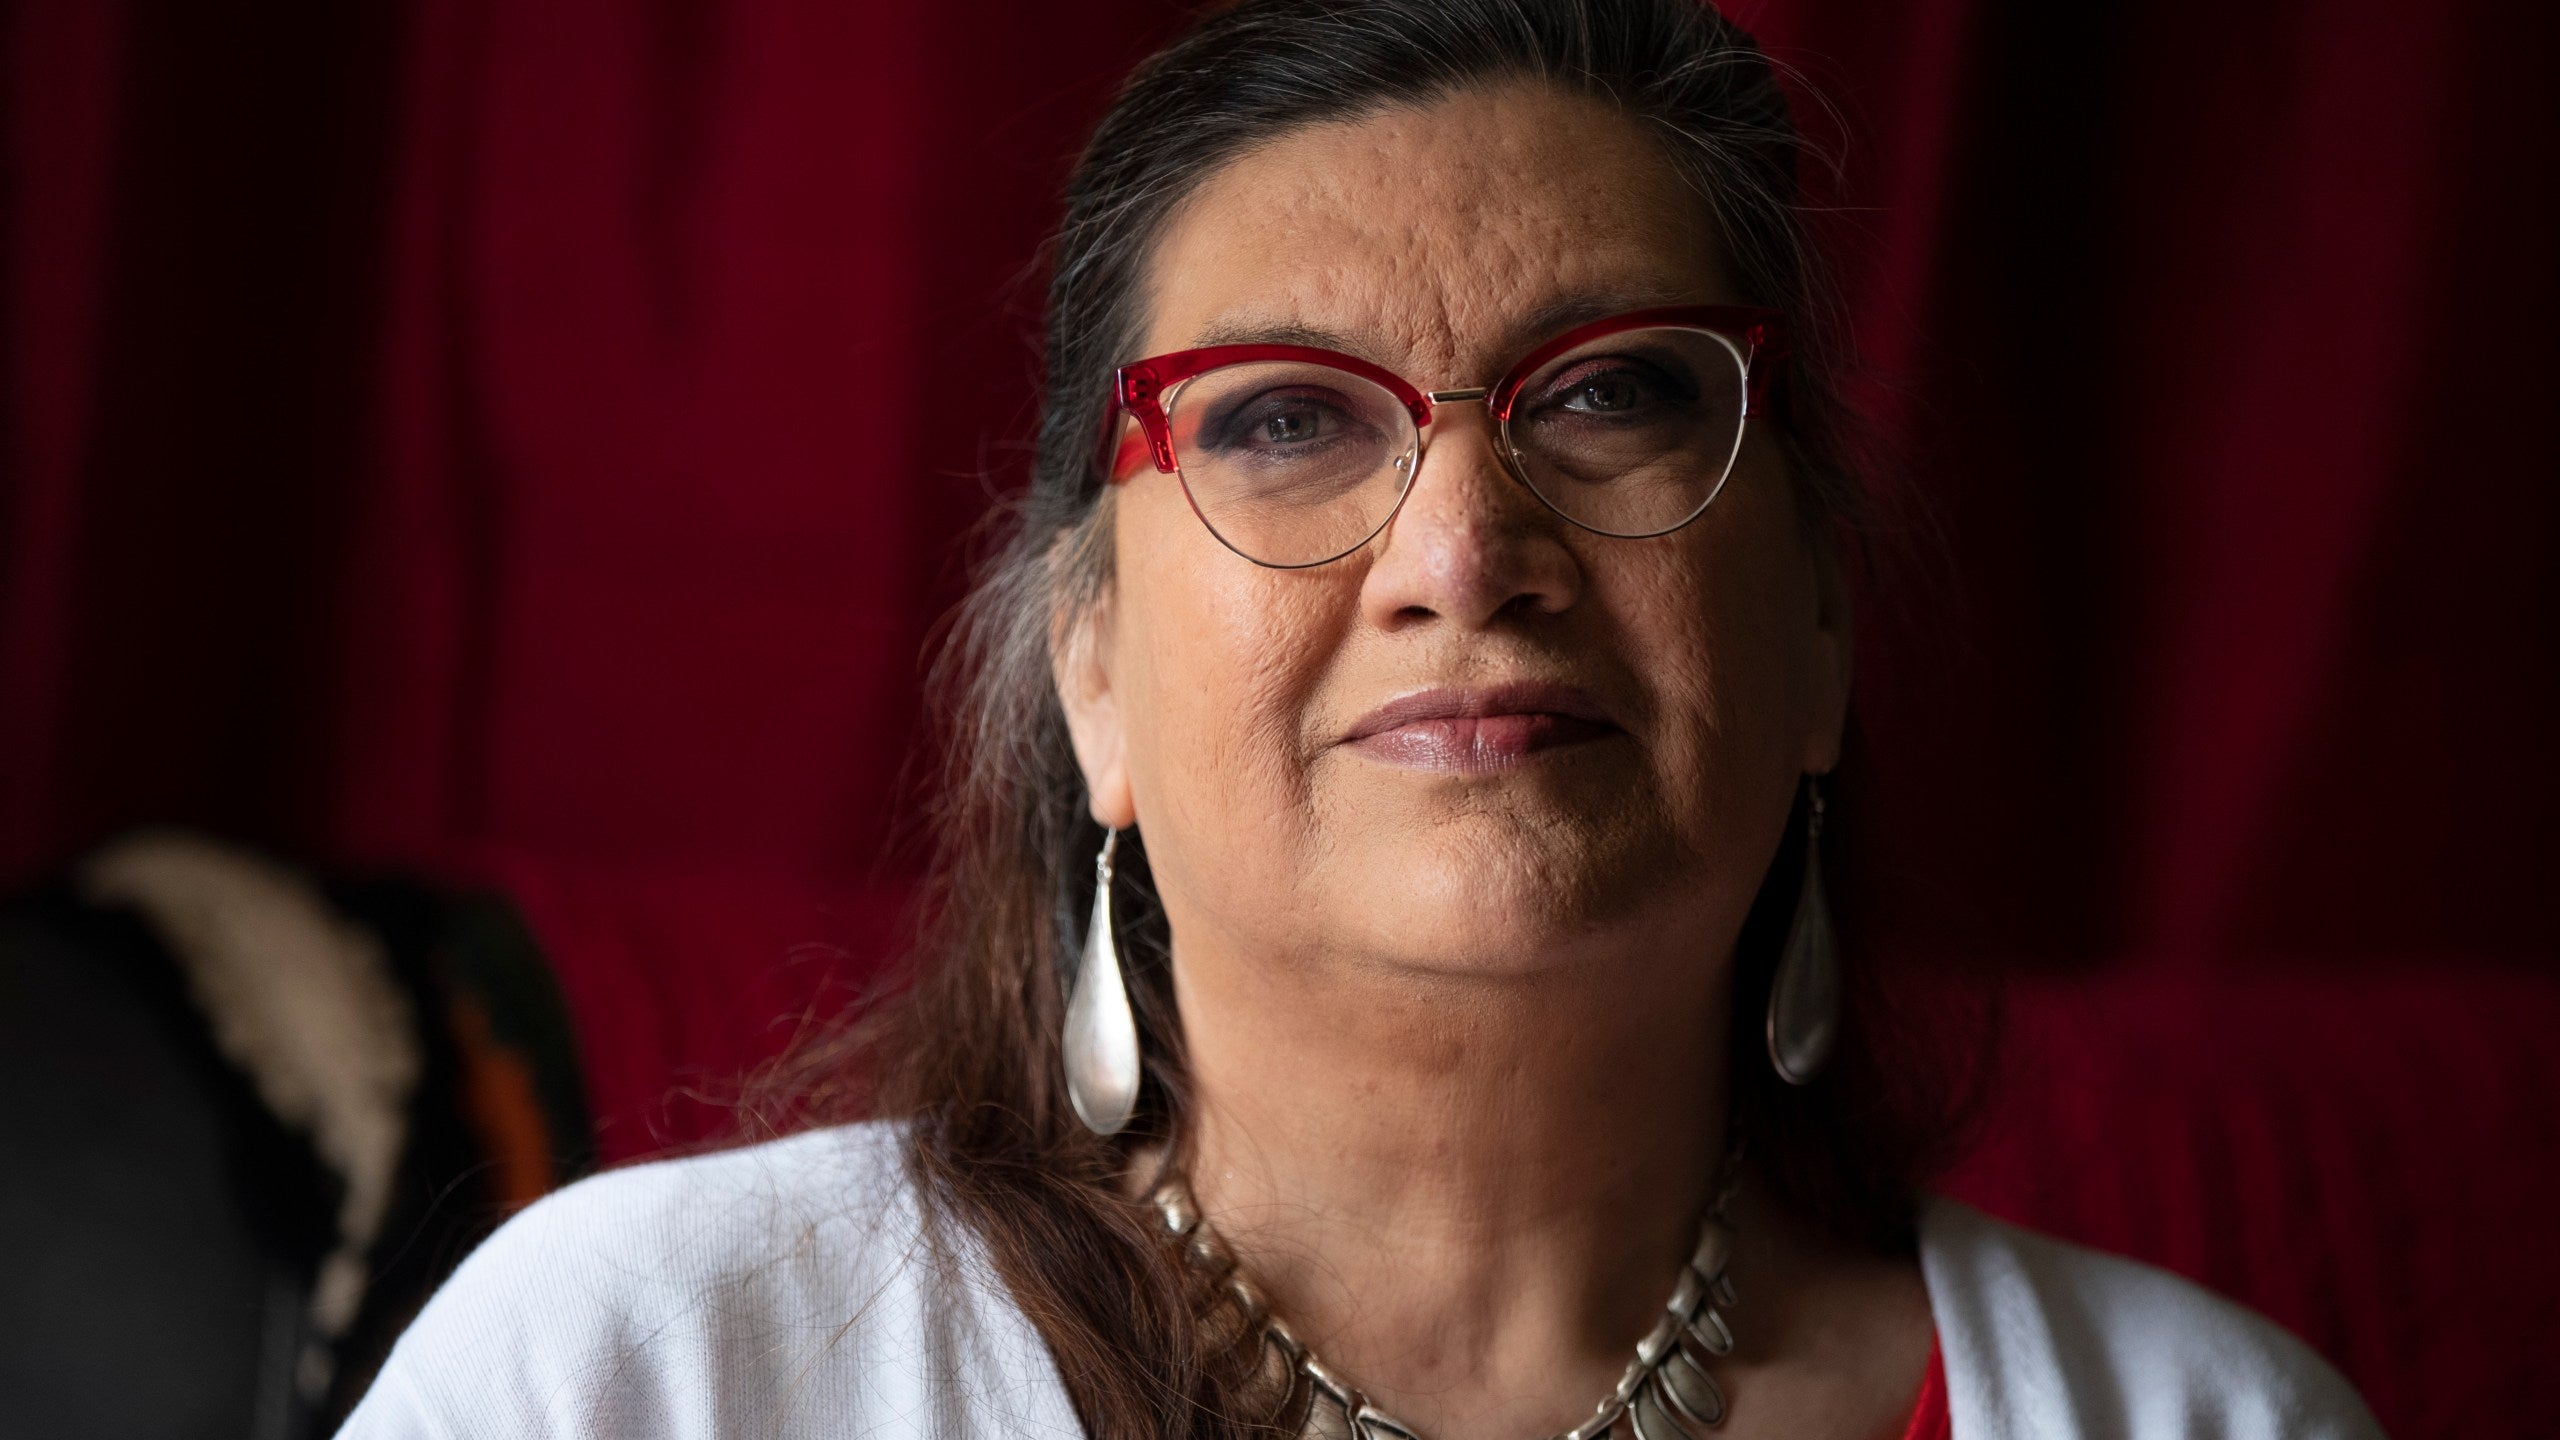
column 1292, row 463
column 1634, row 433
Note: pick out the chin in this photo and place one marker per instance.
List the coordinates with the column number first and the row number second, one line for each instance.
column 1486, row 910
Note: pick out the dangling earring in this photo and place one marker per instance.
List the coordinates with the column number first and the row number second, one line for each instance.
column 1804, row 996
column 1102, row 1032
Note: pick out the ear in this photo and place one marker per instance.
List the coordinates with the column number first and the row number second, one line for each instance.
column 1080, row 653
column 1831, row 659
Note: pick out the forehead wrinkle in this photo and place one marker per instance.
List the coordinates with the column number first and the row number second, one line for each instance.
column 1380, row 237
column 1540, row 322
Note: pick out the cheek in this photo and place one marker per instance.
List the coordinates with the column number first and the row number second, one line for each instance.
column 1215, row 659
column 1713, row 616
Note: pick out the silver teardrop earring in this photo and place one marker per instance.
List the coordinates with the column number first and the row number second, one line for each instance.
column 1804, row 995
column 1101, row 1040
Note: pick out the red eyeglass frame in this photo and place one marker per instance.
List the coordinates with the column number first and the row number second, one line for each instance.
column 1139, row 387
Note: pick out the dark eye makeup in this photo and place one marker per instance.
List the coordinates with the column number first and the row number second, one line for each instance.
column 1295, row 418
column 1614, row 388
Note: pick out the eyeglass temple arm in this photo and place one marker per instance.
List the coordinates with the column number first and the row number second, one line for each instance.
column 1136, row 388
column 1764, row 372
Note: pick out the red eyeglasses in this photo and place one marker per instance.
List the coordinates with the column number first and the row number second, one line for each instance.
column 1294, row 456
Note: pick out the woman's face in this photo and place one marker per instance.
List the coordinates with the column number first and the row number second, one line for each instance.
column 1228, row 710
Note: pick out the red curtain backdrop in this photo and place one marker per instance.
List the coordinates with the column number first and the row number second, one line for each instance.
column 532, row 443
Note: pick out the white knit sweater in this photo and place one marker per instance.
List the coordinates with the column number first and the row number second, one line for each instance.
column 789, row 1290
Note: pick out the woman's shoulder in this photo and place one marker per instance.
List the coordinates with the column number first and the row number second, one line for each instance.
column 2042, row 1338
column 818, row 1211
column 781, row 1288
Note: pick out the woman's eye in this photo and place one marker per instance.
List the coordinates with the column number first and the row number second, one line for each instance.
column 1607, row 395
column 1619, row 389
column 1291, row 427
column 1277, row 424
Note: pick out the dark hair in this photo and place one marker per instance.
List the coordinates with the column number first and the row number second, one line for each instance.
column 969, row 1057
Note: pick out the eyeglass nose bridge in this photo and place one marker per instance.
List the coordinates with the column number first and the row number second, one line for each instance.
column 1499, row 437
column 1411, row 461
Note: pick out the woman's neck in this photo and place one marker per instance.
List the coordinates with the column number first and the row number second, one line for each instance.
column 1470, row 1195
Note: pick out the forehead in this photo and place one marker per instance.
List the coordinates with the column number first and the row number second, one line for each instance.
column 1436, row 238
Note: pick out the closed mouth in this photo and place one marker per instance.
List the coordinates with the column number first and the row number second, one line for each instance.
column 1480, row 728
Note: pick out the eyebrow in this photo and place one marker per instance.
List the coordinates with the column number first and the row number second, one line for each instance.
column 1554, row 317
column 1251, row 332
column 1583, row 306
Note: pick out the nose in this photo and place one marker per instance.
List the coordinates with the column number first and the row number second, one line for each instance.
column 1470, row 545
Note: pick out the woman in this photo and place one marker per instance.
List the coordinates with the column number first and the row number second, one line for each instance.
column 1412, row 675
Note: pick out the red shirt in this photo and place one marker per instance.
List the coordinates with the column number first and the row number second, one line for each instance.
column 1929, row 1412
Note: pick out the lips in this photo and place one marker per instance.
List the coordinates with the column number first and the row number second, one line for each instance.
column 1479, row 729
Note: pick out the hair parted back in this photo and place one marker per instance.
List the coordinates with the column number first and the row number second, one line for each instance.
column 969, row 1055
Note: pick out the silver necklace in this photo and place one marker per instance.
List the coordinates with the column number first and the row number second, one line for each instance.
column 1666, row 1393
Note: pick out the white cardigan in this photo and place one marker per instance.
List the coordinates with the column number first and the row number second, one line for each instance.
column 787, row 1290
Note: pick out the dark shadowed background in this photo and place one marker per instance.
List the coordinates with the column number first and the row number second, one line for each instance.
column 530, row 446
